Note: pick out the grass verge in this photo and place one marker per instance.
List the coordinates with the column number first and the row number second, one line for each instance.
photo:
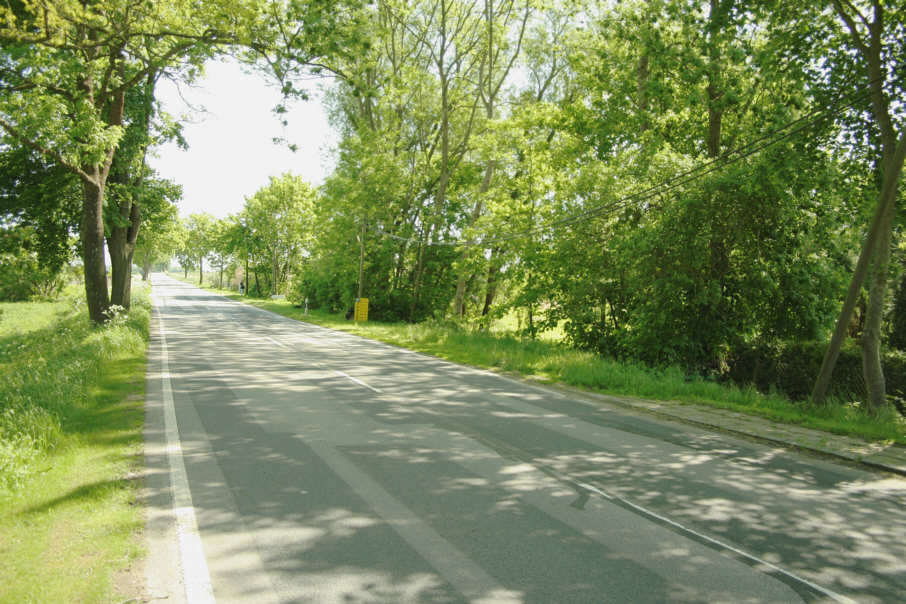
column 553, row 362
column 71, row 399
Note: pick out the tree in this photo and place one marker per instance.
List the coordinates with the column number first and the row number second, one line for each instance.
column 872, row 36
column 280, row 217
column 675, row 273
column 200, row 240
column 159, row 239
column 128, row 190
column 504, row 27
column 408, row 110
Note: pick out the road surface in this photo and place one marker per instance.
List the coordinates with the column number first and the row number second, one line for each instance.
column 291, row 463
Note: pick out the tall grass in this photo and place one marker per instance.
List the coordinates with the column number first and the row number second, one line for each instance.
column 71, row 403
column 51, row 358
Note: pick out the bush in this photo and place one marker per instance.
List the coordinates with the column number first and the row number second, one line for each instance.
column 22, row 278
column 792, row 367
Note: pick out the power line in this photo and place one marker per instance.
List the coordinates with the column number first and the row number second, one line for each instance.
column 728, row 158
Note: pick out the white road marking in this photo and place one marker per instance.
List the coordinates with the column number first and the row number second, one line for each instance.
column 359, row 382
column 196, row 576
column 827, row 592
column 277, row 342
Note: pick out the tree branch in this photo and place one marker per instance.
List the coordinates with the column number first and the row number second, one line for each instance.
column 851, row 25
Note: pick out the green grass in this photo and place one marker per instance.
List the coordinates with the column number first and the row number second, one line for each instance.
column 548, row 360
column 71, row 396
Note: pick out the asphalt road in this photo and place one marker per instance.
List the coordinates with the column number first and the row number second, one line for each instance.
column 322, row 467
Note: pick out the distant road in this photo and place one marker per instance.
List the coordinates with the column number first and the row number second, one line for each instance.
column 321, row 467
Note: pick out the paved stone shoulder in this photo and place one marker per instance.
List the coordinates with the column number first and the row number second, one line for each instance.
column 890, row 457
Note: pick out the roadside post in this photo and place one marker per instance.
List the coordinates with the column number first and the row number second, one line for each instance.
column 360, row 309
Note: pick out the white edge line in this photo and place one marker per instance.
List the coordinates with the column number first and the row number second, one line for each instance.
column 357, row 381
column 196, row 577
column 827, row 592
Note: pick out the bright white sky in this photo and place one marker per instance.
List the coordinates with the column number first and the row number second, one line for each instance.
column 231, row 153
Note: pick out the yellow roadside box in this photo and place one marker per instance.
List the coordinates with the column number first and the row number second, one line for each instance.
column 360, row 312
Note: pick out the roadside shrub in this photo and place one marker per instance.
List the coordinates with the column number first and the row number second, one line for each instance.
column 22, row 278
column 22, row 275
column 792, row 367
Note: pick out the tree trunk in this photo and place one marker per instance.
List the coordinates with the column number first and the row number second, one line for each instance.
column 491, row 292
column 91, row 233
column 276, row 270
column 715, row 88
column 146, row 266
column 458, row 306
column 361, row 260
column 121, row 246
column 642, row 75
column 440, row 196
column 419, row 269
column 120, row 269
column 201, row 270
column 871, row 336
column 715, row 118
column 491, row 79
column 124, row 232
column 459, row 309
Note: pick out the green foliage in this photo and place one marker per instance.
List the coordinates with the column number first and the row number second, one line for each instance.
column 199, row 241
column 159, row 237
column 43, row 196
column 753, row 250
column 279, row 220
column 791, row 366
column 22, row 275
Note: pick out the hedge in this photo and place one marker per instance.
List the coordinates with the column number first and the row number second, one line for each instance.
column 791, row 367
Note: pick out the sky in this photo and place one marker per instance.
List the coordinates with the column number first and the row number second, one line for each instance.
column 231, row 151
